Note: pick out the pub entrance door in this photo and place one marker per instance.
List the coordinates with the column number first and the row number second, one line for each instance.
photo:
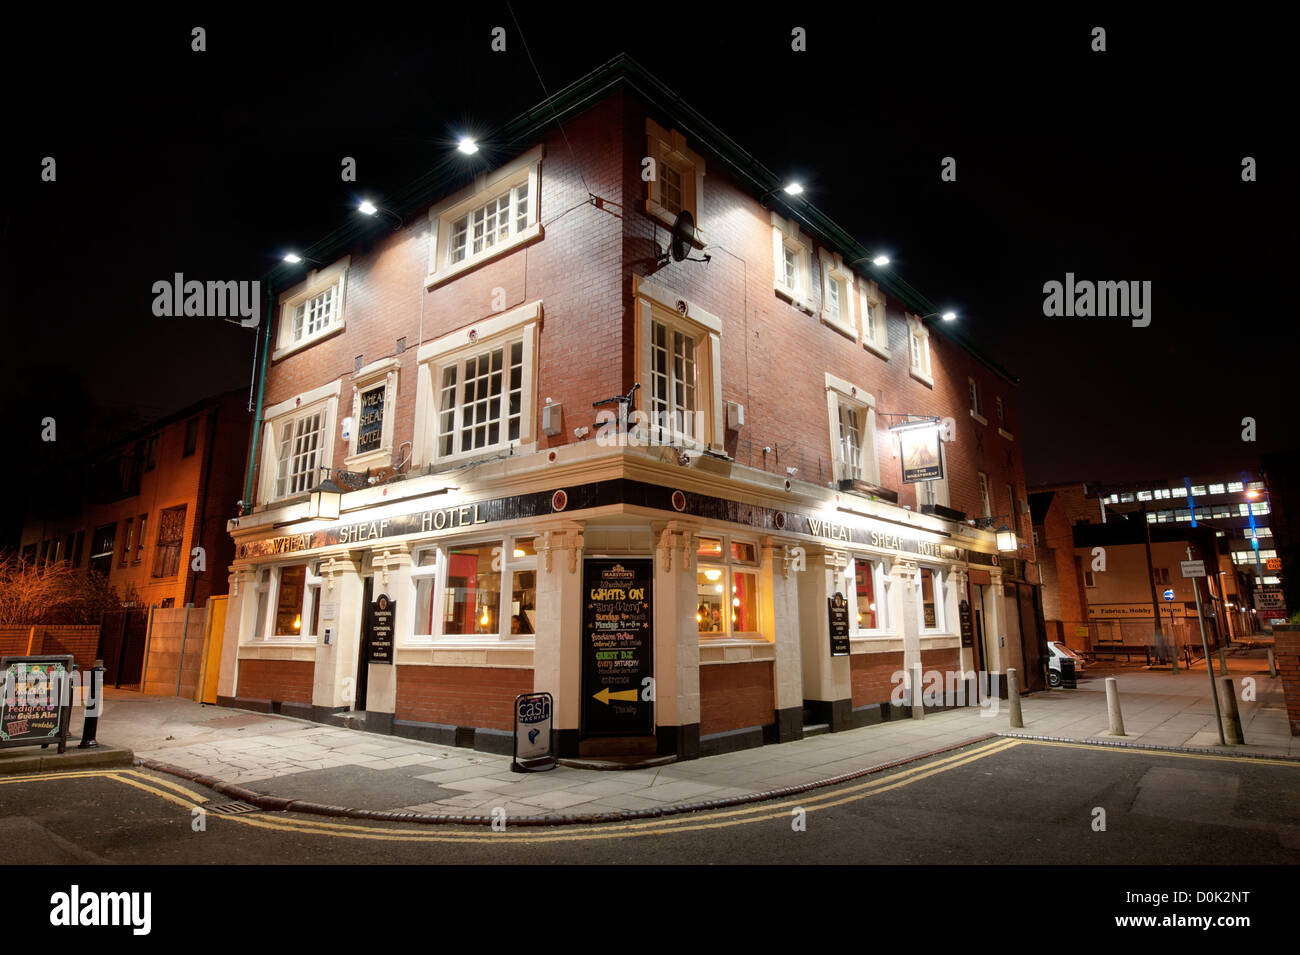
column 617, row 714
column 363, row 643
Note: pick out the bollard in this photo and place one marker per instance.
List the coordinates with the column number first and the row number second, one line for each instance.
column 94, row 705
column 1272, row 664
column 1223, row 661
column 1231, row 717
column 1013, row 701
column 1112, row 707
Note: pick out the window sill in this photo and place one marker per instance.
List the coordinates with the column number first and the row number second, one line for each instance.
column 848, row 331
column 875, row 349
column 379, row 459
column 1006, row 434
column 533, row 233
column 793, row 297
column 482, row 455
column 921, row 377
column 284, row 352
column 979, row 417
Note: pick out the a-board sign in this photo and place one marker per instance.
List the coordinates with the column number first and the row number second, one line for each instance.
column 838, row 609
column 36, row 704
column 533, row 714
column 617, row 647
column 382, row 612
column 967, row 624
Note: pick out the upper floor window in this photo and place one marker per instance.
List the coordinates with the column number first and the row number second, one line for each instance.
column 499, row 211
column 871, row 306
column 1002, row 418
column 191, row 437
column 853, row 431
column 171, row 537
column 102, row 545
column 838, row 292
column 791, row 261
column 298, row 442
column 675, row 177
column 986, row 501
column 312, row 309
column 374, row 390
column 679, row 355
column 475, row 393
column 974, row 390
column 918, row 346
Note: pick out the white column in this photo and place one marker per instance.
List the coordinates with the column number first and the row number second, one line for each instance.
column 241, row 606
column 393, row 577
column 559, row 621
column 676, row 631
column 907, row 583
column 824, row 678
column 334, row 684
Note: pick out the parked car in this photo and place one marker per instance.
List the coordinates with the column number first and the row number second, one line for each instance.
column 1055, row 653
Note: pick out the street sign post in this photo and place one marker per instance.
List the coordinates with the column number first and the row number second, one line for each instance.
column 1205, row 646
column 1193, row 568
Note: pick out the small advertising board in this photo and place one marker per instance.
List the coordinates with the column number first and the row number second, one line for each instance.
column 838, row 608
column 533, row 714
column 380, row 643
column 36, row 704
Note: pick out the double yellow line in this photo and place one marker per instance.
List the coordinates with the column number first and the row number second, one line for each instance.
column 688, row 822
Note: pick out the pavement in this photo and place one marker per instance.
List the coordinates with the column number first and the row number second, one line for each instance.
column 287, row 763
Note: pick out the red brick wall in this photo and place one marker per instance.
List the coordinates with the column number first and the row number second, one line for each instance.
column 81, row 640
column 736, row 696
column 762, row 331
column 872, row 675
column 573, row 270
column 1287, row 656
column 482, row 697
column 944, row 661
column 284, row 680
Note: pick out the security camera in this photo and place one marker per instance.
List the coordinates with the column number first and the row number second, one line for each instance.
column 683, row 459
column 792, row 471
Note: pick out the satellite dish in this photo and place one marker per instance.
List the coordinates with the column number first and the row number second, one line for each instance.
column 683, row 235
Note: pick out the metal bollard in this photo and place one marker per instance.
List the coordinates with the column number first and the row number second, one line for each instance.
column 1231, row 717
column 1013, row 701
column 1272, row 664
column 1112, row 707
column 94, row 705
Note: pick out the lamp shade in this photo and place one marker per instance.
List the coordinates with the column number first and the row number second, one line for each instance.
column 1006, row 539
column 324, row 501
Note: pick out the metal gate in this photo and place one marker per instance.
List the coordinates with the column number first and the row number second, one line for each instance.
column 122, row 636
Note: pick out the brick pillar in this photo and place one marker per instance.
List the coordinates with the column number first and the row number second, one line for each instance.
column 1287, row 654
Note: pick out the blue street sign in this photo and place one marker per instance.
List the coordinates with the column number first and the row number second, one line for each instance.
column 1169, row 594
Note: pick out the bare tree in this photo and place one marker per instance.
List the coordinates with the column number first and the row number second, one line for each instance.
column 51, row 594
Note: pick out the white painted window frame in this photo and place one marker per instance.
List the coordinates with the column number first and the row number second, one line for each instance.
column 317, row 282
column 840, row 392
column 668, row 147
column 383, row 373
column 835, row 272
column 486, row 186
column 785, row 235
column 324, row 399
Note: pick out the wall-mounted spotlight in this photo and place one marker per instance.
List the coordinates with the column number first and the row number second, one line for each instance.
column 467, row 146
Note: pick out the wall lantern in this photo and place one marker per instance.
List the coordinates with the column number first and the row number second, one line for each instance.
column 324, row 502
column 1006, row 539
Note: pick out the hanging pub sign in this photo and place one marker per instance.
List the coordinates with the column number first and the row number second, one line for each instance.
column 36, row 705
column 967, row 625
column 533, row 712
column 617, row 646
column 838, row 608
column 380, row 643
column 371, row 429
column 921, row 455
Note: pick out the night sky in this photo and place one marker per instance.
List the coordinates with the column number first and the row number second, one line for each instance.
column 1123, row 165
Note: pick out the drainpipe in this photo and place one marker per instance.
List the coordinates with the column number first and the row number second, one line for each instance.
column 257, row 417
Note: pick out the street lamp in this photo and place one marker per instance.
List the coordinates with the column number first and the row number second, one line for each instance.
column 1006, row 540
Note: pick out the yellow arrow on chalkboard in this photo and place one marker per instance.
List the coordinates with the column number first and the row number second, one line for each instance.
column 605, row 696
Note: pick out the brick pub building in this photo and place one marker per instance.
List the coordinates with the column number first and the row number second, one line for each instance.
column 665, row 577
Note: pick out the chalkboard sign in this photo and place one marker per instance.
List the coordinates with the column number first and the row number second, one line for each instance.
column 370, row 430
column 838, row 608
column 380, row 644
column 967, row 627
column 617, row 645
column 37, row 700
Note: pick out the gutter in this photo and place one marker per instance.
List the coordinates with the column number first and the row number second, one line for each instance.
column 261, row 389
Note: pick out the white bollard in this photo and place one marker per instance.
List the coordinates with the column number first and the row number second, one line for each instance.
column 1013, row 701
column 1112, row 707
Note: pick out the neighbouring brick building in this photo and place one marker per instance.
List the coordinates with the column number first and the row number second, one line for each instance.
column 664, row 573
column 139, row 507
